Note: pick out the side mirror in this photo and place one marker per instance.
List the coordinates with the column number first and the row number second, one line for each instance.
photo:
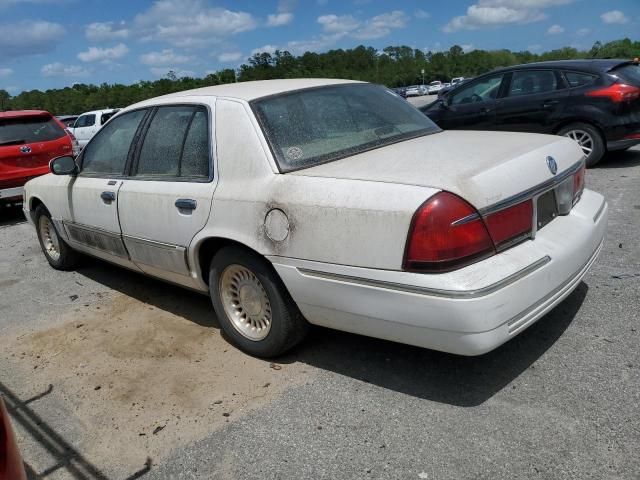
column 63, row 166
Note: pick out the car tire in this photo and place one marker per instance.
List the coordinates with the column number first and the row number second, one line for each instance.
column 57, row 252
column 589, row 138
column 254, row 309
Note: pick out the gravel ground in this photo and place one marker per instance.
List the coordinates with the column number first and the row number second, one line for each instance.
column 110, row 375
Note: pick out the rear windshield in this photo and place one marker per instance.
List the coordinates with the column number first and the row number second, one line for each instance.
column 319, row 125
column 15, row 131
column 629, row 73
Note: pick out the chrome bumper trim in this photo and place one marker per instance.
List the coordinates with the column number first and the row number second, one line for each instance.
column 433, row 292
column 11, row 192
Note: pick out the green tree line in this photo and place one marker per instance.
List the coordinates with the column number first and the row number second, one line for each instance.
column 394, row 66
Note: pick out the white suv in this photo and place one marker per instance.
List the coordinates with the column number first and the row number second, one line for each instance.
column 87, row 124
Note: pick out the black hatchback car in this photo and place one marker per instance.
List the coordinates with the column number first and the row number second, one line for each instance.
column 595, row 102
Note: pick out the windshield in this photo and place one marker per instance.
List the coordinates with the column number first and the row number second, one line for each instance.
column 319, row 125
column 29, row 130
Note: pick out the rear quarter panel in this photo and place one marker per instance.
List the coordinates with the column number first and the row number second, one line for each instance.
column 350, row 222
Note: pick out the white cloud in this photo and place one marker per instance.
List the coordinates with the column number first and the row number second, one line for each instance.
column 583, row 32
column 228, row 57
column 165, row 57
column 58, row 69
column 614, row 17
column 338, row 24
column 106, row 31
column 191, row 23
column 163, row 71
column 555, row 30
column 279, row 19
column 5, row 72
column 264, row 49
column 375, row 27
column 421, row 14
column 381, row 25
column 534, row 48
column 493, row 13
column 29, row 37
column 96, row 54
column 468, row 47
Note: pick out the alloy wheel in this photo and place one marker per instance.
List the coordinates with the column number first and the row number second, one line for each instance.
column 584, row 140
column 50, row 240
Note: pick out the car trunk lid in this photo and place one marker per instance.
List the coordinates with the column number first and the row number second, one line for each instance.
column 485, row 168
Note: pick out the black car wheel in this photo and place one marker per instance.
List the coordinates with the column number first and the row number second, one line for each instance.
column 588, row 138
column 252, row 305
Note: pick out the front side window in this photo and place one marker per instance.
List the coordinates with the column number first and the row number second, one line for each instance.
column 530, row 82
column 176, row 143
column 313, row 126
column 107, row 152
column 86, row 121
column 480, row 91
column 16, row 131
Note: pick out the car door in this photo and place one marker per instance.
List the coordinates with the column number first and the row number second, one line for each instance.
column 472, row 106
column 167, row 198
column 533, row 102
column 84, row 128
column 92, row 222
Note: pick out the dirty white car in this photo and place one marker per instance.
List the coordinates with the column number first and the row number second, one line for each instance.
column 335, row 203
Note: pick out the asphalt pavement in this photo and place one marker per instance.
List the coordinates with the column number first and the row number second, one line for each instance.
column 110, row 375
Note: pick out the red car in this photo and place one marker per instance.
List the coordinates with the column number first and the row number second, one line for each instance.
column 29, row 139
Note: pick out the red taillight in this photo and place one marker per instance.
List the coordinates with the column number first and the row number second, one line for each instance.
column 633, row 136
column 510, row 224
column 448, row 233
column 618, row 92
column 445, row 235
column 578, row 183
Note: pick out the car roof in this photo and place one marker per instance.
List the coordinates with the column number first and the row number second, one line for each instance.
column 252, row 90
column 588, row 64
column 95, row 112
column 24, row 113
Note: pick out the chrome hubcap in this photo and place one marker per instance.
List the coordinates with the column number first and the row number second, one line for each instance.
column 49, row 237
column 245, row 302
column 583, row 138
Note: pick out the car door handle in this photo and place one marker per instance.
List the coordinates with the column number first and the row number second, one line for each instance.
column 108, row 197
column 186, row 204
column 550, row 103
column 485, row 110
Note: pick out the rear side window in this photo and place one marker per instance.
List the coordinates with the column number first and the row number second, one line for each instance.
column 107, row 152
column 576, row 79
column 86, row 121
column 530, row 82
column 176, row 144
column 628, row 73
column 106, row 116
column 15, row 131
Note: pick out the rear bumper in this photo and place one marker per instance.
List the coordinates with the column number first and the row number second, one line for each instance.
column 614, row 145
column 14, row 193
column 470, row 311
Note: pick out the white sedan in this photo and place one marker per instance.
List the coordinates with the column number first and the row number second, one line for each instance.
column 328, row 202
